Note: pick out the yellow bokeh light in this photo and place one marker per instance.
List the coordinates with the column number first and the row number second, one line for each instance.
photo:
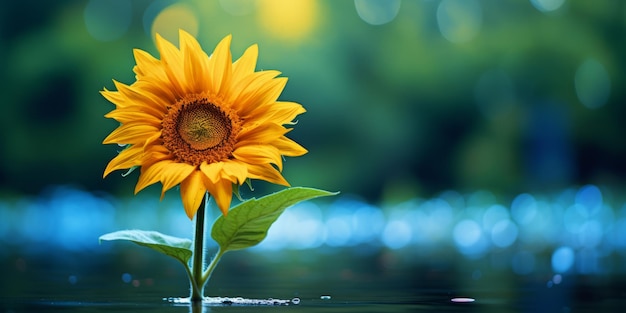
column 173, row 18
column 288, row 19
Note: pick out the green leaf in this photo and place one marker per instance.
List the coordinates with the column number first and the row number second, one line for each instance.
column 247, row 223
column 178, row 248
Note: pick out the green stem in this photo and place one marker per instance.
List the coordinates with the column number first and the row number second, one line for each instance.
column 212, row 265
column 197, row 283
column 192, row 281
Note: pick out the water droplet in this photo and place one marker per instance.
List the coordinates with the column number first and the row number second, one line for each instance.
column 72, row 279
column 325, row 297
column 462, row 300
column 176, row 300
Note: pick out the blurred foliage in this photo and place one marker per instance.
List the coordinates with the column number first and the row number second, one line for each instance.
column 394, row 110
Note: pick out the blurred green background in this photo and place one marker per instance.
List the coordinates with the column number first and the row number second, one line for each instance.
column 404, row 99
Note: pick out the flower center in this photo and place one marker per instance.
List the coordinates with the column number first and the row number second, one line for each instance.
column 197, row 130
column 203, row 126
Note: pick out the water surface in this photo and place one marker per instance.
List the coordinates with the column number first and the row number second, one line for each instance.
column 370, row 284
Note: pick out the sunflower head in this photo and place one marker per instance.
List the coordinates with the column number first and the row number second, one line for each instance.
column 201, row 122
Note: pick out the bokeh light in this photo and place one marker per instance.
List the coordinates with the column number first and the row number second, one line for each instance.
column 469, row 238
column 504, row 233
column 377, row 12
column 617, row 235
column 459, row 20
column 593, row 85
column 290, row 20
column 590, row 198
column 524, row 209
column 338, row 230
column 175, row 17
column 560, row 228
column 397, row 234
column 301, row 227
column 590, row 234
column 367, row 223
column 108, row 20
column 494, row 215
column 152, row 11
column 547, row 5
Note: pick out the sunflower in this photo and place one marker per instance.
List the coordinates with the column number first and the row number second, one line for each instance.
column 201, row 122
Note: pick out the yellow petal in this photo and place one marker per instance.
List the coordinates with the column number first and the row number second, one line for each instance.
column 236, row 171
column 114, row 97
column 153, row 140
column 249, row 99
column 222, row 192
column 173, row 174
column 138, row 100
column 155, row 153
column 284, row 112
column 259, row 154
column 260, row 134
column 245, row 88
column 128, row 158
column 266, row 172
column 212, row 171
column 269, row 93
column 220, row 63
column 158, row 93
column 129, row 116
column 246, row 64
column 173, row 65
column 289, row 147
column 147, row 65
column 135, row 133
column 151, row 174
column 196, row 62
column 192, row 190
